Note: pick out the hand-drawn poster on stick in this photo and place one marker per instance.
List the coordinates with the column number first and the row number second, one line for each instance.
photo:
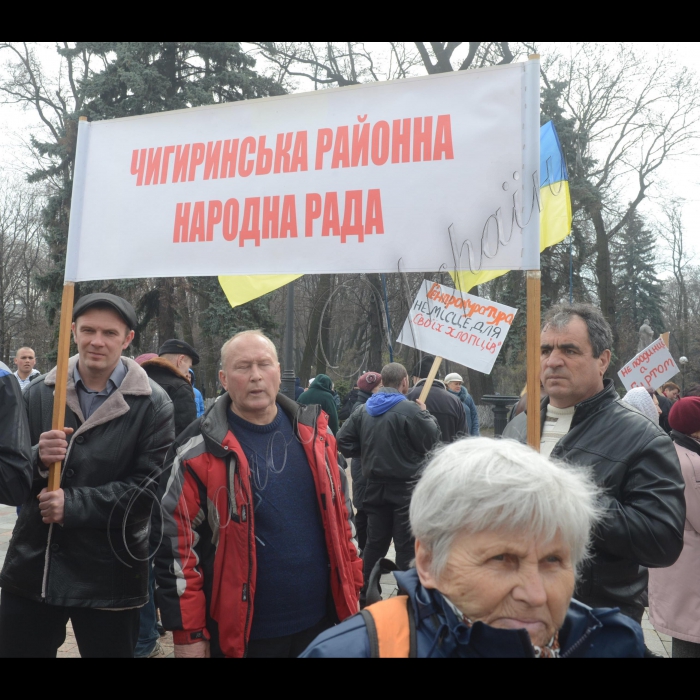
column 651, row 368
column 459, row 327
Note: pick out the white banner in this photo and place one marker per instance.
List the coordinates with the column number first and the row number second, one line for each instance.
column 413, row 175
column 651, row 368
column 459, row 327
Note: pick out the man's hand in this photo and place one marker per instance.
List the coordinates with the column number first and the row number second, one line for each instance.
column 198, row 650
column 51, row 505
column 421, row 405
column 53, row 446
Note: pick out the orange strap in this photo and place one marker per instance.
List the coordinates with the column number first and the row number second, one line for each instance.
column 393, row 633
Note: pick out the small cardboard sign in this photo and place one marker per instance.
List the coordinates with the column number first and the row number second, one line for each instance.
column 457, row 326
column 651, row 368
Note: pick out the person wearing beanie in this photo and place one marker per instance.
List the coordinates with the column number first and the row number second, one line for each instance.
column 369, row 383
column 645, row 402
column 444, row 405
column 455, row 385
column 321, row 392
column 674, row 593
column 170, row 369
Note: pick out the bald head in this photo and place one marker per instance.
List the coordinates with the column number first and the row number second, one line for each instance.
column 250, row 374
column 231, row 343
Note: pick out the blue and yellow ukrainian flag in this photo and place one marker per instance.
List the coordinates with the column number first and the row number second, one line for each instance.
column 555, row 205
column 555, row 226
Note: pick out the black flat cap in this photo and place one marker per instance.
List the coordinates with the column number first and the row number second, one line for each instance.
column 179, row 347
column 121, row 306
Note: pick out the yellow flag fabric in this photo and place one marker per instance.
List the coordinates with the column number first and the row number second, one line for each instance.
column 240, row 289
column 555, row 215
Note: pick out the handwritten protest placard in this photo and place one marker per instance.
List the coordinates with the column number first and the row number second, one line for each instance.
column 459, row 327
column 651, row 368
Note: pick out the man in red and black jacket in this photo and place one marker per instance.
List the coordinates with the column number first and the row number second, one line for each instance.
column 258, row 554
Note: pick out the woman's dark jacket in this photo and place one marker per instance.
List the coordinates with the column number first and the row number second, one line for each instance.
column 15, row 445
column 98, row 557
column 359, row 482
column 321, row 393
column 636, row 464
column 177, row 387
column 586, row 633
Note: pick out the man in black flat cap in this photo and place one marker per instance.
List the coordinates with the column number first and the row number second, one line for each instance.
column 170, row 370
column 80, row 553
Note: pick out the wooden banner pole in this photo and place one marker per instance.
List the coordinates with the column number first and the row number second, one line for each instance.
column 430, row 379
column 59, row 397
column 533, row 358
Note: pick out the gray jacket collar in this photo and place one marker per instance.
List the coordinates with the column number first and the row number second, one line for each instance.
column 135, row 383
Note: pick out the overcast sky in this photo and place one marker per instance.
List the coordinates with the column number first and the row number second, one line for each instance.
column 681, row 176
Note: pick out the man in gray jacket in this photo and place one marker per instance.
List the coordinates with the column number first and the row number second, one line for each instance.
column 392, row 435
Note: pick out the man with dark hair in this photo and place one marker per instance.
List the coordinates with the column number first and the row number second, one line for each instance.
column 392, row 436
column 634, row 462
column 170, row 371
column 444, row 406
column 669, row 394
column 80, row 553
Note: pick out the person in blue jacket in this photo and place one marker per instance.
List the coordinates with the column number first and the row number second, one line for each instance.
column 455, row 385
column 498, row 545
column 198, row 398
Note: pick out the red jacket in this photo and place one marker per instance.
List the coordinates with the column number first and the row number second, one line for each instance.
column 206, row 564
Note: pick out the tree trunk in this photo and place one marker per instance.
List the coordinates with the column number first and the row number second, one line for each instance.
column 606, row 288
column 324, row 333
column 307, row 360
column 166, row 311
column 184, row 310
column 374, row 359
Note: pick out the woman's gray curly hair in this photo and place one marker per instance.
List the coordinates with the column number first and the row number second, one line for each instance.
column 480, row 484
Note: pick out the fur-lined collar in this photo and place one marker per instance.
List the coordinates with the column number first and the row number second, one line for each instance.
column 135, row 383
column 160, row 362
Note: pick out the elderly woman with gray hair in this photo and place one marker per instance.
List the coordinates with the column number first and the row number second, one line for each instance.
column 500, row 532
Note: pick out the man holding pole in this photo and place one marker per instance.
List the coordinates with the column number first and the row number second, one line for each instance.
column 80, row 552
column 634, row 462
column 447, row 409
column 392, row 436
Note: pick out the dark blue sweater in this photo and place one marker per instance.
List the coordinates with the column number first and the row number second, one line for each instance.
column 292, row 582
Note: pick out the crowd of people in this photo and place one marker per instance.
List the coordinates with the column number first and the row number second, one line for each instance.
column 259, row 527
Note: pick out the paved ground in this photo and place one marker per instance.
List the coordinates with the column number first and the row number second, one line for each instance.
column 70, row 648
column 659, row 643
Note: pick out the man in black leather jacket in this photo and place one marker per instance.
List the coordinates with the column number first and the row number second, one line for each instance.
column 15, row 447
column 632, row 460
column 392, row 436
column 81, row 552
